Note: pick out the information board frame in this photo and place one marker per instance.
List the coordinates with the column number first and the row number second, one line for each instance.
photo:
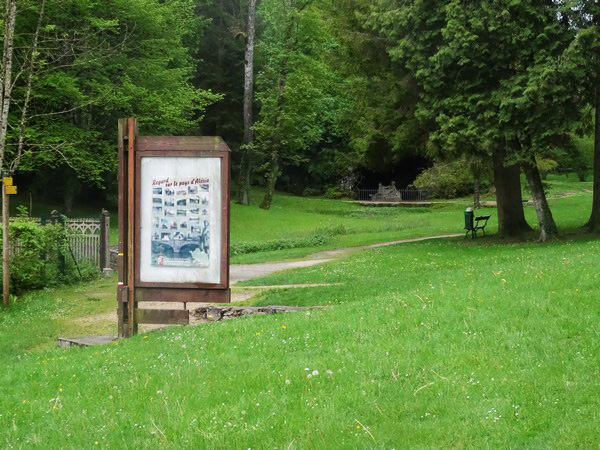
column 136, row 155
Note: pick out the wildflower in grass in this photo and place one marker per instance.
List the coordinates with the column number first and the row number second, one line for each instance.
column 315, row 373
column 284, row 326
column 288, row 382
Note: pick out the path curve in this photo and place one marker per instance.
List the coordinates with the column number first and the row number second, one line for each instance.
column 244, row 272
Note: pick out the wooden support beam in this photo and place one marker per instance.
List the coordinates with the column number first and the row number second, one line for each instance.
column 122, row 219
column 131, row 319
column 144, row 294
column 163, row 316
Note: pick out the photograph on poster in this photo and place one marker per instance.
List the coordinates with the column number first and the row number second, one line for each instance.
column 175, row 249
column 181, row 199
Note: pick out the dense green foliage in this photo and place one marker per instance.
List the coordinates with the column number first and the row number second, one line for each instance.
column 449, row 180
column 343, row 89
column 41, row 257
column 98, row 62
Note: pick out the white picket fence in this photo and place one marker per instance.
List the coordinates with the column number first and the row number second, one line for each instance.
column 83, row 236
column 86, row 240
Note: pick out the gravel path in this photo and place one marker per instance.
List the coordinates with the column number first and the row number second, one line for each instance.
column 244, row 272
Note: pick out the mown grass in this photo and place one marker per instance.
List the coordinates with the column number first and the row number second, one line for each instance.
column 36, row 319
column 454, row 343
column 434, row 344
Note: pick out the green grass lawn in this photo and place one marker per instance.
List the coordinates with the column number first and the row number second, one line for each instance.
column 455, row 343
column 436, row 344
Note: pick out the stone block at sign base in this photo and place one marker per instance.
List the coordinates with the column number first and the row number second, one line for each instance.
column 214, row 314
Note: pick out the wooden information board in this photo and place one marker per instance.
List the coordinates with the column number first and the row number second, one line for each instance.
column 173, row 225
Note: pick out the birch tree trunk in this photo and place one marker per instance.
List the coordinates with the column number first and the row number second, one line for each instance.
column 545, row 220
column 247, row 154
column 5, row 97
column 6, row 75
column 30, row 75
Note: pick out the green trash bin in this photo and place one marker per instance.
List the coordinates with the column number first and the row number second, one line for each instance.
column 469, row 222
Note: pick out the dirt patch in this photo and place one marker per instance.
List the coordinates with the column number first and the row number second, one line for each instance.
column 103, row 317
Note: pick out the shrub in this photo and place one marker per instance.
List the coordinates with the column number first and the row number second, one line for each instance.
column 446, row 180
column 546, row 166
column 41, row 258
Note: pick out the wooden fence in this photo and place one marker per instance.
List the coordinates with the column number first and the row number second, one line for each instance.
column 88, row 238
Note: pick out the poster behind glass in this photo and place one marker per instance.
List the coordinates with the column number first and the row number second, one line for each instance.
column 180, row 220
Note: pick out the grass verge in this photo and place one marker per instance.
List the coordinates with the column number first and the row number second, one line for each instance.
column 437, row 344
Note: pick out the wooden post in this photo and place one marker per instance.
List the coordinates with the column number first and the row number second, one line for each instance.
column 131, row 303
column 105, row 242
column 122, row 249
column 5, row 250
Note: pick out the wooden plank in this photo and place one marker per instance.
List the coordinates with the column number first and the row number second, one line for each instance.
column 122, row 218
column 163, row 316
column 104, row 242
column 199, row 143
column 131, row 128
column 122, row 298
column 144, row 294
column 225, row 219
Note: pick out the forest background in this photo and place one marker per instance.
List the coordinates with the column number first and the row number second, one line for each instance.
column 313, row 96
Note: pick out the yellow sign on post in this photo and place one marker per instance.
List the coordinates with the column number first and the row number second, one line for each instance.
column 7, row 181
column 10, row 190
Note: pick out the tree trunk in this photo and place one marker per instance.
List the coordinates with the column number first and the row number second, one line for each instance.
column 511, row 219
column 247, row 156
column 6, row 73
column 545, row 220
column 276, row 141
column 29, row 86
column 71, row 187
column 477, row 191
column 593, row 223
column 271, row 180
column 5, row 98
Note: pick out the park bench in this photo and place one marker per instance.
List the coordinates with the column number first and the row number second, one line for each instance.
column 474, row 224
